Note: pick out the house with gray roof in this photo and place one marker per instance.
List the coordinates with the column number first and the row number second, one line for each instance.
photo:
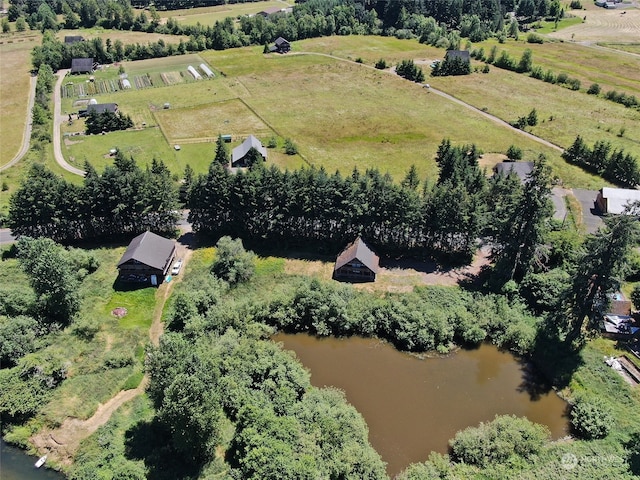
column 147, row 259
column 521, row 169
column 81, row 65
column 239, row 155
column 357, row 262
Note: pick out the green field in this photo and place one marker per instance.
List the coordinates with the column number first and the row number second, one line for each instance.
column 210, row 15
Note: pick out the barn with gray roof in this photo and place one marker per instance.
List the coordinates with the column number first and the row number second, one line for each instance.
column 147, row 255
column 239, row 154
column 357, row 263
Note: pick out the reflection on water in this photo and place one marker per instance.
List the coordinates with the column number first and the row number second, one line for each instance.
column 415, row 406
column 17, row 465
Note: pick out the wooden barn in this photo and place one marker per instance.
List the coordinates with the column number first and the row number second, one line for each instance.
column 82, row 65
column 239, row 154
column 357, row 263
column 281, row 45
column 147, row 259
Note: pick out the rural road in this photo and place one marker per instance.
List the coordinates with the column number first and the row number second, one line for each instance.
column 58, row 119
column 26, row 137
column 6, row 237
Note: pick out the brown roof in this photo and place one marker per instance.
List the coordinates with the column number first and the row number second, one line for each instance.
column 150, row 249
column 358, row 250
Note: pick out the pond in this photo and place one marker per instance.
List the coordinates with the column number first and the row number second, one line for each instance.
column 15, row 464
column 414, row 406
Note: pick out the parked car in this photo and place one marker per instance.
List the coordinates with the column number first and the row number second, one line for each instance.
column 176, row 267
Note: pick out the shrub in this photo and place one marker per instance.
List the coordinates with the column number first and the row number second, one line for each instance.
column 514, row 153
column 505, row 437
column 574, row 83
column 273, row 142
column 359, row 60
column 562, row 78
column 532, row 118
column 537, row 72
column 594, row 89
column 485, row 68
column 575, row 5
column 549, row 77
column 290, row 148
column 591, row 418
column 381, row 64
column 534, row 38
column 233, row 263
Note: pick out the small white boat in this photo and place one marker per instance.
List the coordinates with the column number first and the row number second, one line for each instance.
column 41, row 461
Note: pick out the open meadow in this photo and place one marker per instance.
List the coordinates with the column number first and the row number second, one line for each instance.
column 210, row 15
column 15, row 52
column 125, row 36
column 603, row 25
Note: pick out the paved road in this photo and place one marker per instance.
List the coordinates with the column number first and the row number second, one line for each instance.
column 58, row 119
column 559, row 205
column 26, row 137
column 587, row 199
column 6, row 237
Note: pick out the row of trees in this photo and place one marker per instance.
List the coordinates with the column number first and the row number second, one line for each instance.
column 612, row 164
column 106, row 121
column 310, row 205
column 123, row 200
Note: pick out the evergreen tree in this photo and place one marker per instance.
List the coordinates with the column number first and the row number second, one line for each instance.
column 522, row 236
column 222, row 153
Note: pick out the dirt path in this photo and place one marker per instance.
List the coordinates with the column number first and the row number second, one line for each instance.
column 58, row 119
column 62, row 443
column 26, row 137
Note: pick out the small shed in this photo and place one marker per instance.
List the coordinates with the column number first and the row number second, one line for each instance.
column 357, row 262
column 615, row 200
column 82, row 65
column 239, row 154
column 71, row 39
column 521, row 169
column 281, row 45
column 226, row 138
column 147, row 255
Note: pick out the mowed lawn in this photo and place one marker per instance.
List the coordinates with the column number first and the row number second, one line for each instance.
column 15, row 52
column 210, row 15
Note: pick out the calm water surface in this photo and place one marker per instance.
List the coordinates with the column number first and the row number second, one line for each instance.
column 17, row 465
column 415, row 406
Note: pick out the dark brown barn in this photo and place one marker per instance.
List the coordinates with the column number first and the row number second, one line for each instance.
column 281, row 45
column 82, row 65
column 357, row 263
column 148, row 257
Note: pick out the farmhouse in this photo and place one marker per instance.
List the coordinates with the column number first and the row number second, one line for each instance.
column 615, row 200
column 269, row 11
column 462, row 54
column 280, row 46
column 98, row 108
column 70, row 39
column 521, row 169
column 239, row 155
column 82, row 65
column 147, row 259
column 356, row 263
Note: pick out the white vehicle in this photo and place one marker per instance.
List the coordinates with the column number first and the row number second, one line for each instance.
column 176, row 267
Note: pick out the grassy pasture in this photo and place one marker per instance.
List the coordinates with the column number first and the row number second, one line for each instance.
column 344, row 115
column 205, row 122
column 610, row 69
column 15, row 52
column 209, row 15
column 603, row 25
column 125, row 36
column 510, row 95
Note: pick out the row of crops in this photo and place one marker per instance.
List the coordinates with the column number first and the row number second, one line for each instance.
column 147, row 80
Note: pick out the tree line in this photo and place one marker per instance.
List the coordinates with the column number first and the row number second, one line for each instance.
column 611, row 164
column 124, row 199
column 310, row 205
